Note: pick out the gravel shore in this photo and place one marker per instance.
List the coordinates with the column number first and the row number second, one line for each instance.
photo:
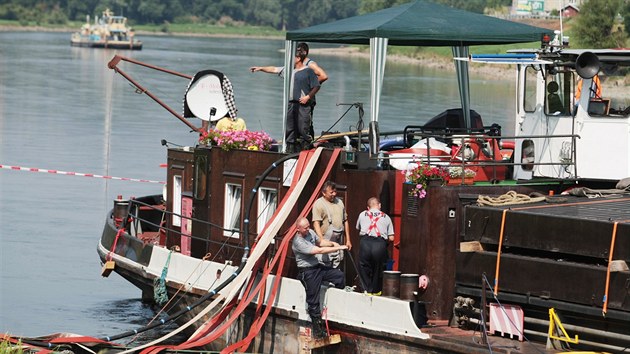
column 499, row 72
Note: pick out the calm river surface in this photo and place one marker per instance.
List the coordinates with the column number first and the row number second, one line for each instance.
column 62, row 109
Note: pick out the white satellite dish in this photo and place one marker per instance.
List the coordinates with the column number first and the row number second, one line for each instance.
column 205, row 94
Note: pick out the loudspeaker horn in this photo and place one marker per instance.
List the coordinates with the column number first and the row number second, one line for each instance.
column 587, row 65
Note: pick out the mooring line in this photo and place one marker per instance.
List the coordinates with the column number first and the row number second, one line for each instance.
column 32, row 169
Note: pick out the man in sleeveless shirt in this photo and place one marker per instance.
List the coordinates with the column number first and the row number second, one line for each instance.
column 330, row 221
column 299, row 130
column 375, row 229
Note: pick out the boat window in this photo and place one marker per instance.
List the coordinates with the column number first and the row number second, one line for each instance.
column 232, row 209
column 201, row 168
column 529, row 91
column 614, row 100
column 558, row 94
column 177, row 200
column 267, row 203
column 528, row 155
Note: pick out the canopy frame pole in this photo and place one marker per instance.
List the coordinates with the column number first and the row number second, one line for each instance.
column 463, row 81
column 378, row 59
column 289, row 50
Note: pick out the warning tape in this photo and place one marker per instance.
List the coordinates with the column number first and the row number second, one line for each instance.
column 31, row 169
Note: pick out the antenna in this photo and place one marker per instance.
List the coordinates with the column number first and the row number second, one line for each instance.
column 561, row 11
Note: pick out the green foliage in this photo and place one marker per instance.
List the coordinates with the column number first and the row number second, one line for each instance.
column 595, row 27
column 468, row 5
column 8, row 348
column 625, row 12
column 56, row 17
column 368, row 6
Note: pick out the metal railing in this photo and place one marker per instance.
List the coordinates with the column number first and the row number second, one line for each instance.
column 137, row 221
column 487, row 136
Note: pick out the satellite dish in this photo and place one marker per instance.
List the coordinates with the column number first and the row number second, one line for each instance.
column 204, row 94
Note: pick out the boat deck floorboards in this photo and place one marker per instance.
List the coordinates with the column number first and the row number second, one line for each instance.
column 611, row 208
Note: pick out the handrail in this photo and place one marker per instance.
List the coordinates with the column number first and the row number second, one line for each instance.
column 135, row 215
column 491, row 138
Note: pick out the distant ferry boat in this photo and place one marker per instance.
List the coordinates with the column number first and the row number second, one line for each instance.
column 107, row 32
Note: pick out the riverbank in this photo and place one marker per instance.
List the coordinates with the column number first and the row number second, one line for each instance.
column 426, row 59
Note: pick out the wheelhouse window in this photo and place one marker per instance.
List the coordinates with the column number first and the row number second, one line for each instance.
column 612, row 98
column 201, row 168
column 267, row 204
column 529, row 91
column 232, row 209
column 558, row 94
column 528, row 155
column 177, row 200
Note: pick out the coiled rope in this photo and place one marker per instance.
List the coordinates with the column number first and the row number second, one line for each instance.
column 159, row 284
column 509, row 198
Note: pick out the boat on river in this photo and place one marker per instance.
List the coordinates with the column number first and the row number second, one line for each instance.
column 526, row 255
column 110, row 31
column 519, row 259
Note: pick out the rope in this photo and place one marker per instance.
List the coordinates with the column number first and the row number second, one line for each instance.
column 159, row 284
column 234, row 283
column 79, row 174
column 110, row 255
column 487, row 284
column 259, row 322
column 181, row 287
column 496, row 272
column 325, row 317
column 610, row 259
column 509, row 198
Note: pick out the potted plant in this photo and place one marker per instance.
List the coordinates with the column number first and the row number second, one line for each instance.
column 236, row 139
column 421, row 176
column 461, row 175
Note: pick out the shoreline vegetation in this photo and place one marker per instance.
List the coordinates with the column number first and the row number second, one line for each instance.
column 431, row 57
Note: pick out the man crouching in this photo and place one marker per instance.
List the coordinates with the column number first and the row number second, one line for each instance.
column 306, row 245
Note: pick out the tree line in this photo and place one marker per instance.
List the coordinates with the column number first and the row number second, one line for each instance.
column 279, row 14
column 601, row 23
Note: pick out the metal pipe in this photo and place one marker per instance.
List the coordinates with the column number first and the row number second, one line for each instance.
column 117, row 58
column 113, row 65
column 580, row 329
column 609, row 347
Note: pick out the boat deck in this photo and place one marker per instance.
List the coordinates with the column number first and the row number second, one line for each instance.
column 614, row 208
column 572, row 226
column 526, row 248
column 445, row 336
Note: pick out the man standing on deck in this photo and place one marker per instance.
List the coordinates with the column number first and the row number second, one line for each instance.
column 306, row 245
column 330, row 222
column 375, row 229
column 307, row 79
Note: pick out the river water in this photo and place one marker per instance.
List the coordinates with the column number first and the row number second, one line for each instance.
column 62, row 109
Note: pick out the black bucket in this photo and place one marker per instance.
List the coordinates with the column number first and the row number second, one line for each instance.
column 419, row 313
column 391, row 283
column 408, row 285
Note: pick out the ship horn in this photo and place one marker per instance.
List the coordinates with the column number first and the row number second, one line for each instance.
column 587, row 65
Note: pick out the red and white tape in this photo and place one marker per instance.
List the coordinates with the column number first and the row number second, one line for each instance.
column 31, row 169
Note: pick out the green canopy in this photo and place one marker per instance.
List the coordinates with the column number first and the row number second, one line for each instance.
column 418, row 23
column 421, row 23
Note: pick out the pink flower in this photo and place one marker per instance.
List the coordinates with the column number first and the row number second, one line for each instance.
column 420, row 175
column 242, row 139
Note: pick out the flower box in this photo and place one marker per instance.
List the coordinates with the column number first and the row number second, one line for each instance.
column 236, row 139
column 458, row 181
column 422, row 176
